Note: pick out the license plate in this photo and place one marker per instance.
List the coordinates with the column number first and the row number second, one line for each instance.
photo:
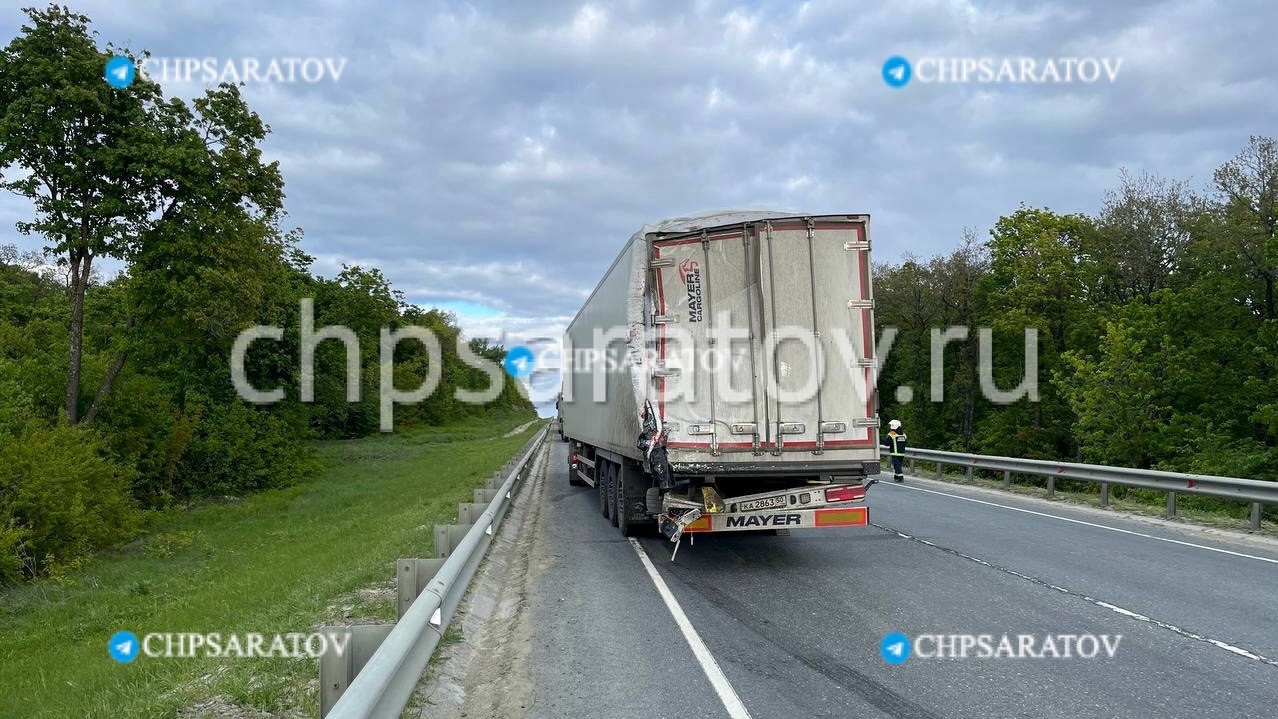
column 765, row 503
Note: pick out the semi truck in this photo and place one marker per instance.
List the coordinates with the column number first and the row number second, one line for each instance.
column 721, row 376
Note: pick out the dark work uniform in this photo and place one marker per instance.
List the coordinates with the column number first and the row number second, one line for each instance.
column 895, row 442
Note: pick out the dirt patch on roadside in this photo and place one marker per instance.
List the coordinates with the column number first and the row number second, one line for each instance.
column 520, row 428
column 485, row 674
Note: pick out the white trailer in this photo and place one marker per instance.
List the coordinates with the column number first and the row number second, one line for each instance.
column 721, row 376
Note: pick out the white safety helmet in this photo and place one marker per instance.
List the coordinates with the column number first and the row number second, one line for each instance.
column 895, row 424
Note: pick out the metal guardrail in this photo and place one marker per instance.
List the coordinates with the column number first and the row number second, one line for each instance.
column 384, row 663
column 1256, row 491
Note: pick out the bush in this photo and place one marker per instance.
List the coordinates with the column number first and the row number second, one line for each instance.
column 60, row 499
column 238, row 449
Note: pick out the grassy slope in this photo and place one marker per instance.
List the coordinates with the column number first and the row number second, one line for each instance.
column 271, row 563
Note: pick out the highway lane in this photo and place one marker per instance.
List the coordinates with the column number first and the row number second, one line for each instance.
column 603, row 643
column 1216, row 593
column 795, row 621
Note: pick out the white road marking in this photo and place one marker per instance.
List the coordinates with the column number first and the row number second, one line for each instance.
column 1091, row 600
column 718, row 680
column 1090, row 524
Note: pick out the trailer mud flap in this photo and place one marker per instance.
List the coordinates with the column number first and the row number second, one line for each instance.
column 802, row 519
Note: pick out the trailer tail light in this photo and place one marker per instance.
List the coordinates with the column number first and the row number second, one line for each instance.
column 572, row 460
column 846, row 493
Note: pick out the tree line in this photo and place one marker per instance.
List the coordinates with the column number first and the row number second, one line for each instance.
column 1156, row 320
column 116, row 395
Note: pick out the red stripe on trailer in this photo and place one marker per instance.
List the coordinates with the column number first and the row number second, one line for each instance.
column 661, row 339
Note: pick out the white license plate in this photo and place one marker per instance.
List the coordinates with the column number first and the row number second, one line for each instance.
column 765, row 503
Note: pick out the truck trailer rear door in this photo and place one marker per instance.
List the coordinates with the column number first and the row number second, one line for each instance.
column 764, row 338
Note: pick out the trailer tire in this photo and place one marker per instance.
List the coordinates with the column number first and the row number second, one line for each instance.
column 621, row 510
column 612, row 475
column 601, row 485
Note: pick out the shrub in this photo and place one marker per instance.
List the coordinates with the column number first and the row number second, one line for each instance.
column 60, row 499
column 238, row 449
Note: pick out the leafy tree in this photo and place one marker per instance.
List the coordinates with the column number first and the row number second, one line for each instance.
column 1143, row 234
column 1123, row 400
column 122, row 173
column 1248, row 192
column 1038, row 273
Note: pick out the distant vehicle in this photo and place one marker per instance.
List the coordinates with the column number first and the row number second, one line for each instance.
column 662, row 441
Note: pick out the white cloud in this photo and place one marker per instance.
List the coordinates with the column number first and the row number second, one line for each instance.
column 500, row 152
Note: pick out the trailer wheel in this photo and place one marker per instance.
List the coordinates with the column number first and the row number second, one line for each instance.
column 601, row 485
column 620, row 510
column 612, row 475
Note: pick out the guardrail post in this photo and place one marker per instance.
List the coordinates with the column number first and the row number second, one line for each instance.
column 911, row 465
column 1171, row 505
column 939, row 471
column 967, row 473
column 1255, row 516
column 1051, row 485
column 411, row 577
column 1104, row 498
column 468, row 512
column 338, row 671
column 447, row 537
column 1007, row 479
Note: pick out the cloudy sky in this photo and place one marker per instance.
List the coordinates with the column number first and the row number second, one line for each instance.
column 491, row 157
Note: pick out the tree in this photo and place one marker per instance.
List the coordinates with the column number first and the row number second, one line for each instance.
column 1039, row 272
column 80, row 144
column 116, row 172
column 1142, row 236
column 1123, row 399
column 1248, row 191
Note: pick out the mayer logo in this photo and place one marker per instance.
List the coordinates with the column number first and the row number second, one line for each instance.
column 765, row 520
column 690, row 276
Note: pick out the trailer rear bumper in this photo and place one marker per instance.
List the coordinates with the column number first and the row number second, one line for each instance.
column 853, row 515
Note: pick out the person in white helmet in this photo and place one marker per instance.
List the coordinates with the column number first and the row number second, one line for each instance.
column 895, row 442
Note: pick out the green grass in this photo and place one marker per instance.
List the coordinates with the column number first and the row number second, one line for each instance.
column 277, row 562
column 1205, row 511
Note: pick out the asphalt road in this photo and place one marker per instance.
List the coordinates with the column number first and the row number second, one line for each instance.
column 795, row 622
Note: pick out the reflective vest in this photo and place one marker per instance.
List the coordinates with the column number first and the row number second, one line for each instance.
column 896, row 443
